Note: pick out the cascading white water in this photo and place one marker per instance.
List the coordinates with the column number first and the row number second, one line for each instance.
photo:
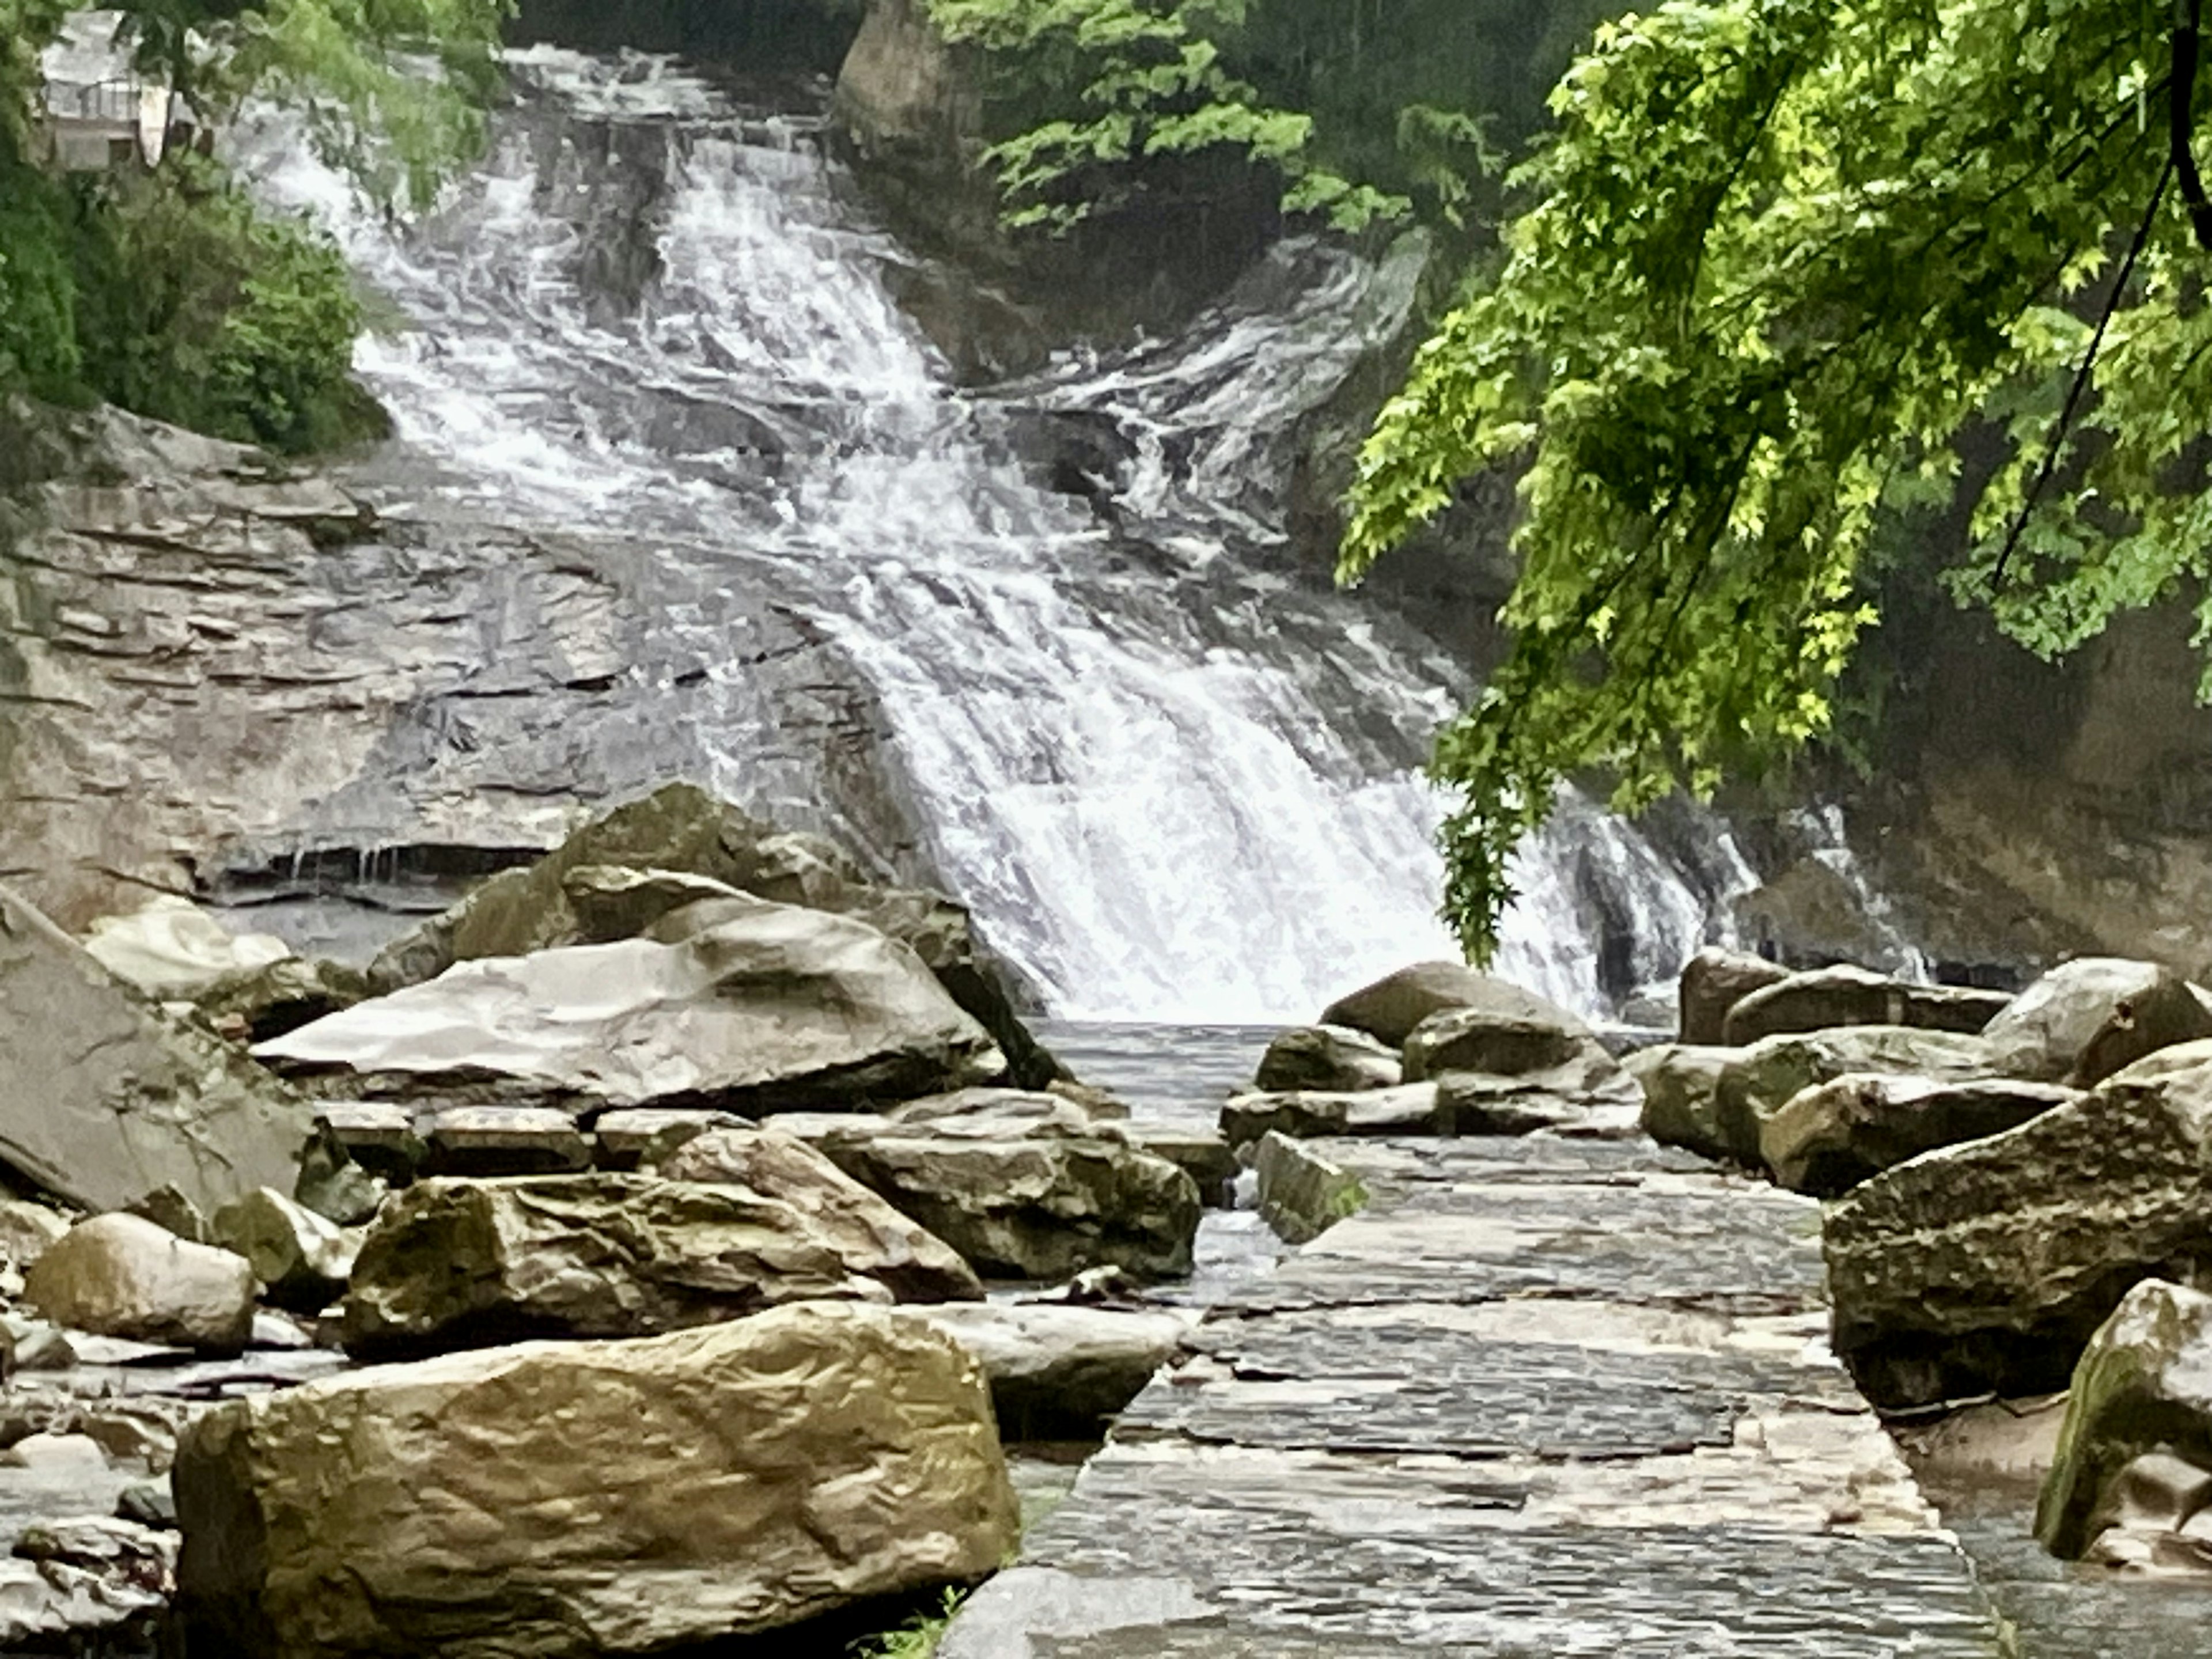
column 1172, row 782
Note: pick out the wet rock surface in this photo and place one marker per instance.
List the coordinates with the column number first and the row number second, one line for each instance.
column 1538, row 1397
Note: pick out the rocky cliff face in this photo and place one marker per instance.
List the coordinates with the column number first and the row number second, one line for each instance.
column 224, row 675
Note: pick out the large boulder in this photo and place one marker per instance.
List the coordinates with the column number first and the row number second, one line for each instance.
column 1393, row 1006
column 1334, row 1059
column 105, row 1096
column 1410, row 1108
column 1844, row 995
column 1713, row 981
column 1058, row 1370
column 2135, row 1454
column 457, row 1264
column 1512, row 1062
column 2086, row 1019
column 576, row 895
column 1834, row 1136
column 776, row 1006
column 1681, row 1095
column 1021, row 1196
column 1987, row 1265
column 1760, row 1080
column 122, row 1275
column 302, row 1258
column 568, row 1500
column 173, row 950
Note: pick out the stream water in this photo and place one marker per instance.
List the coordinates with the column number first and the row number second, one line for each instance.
column 1173, row 775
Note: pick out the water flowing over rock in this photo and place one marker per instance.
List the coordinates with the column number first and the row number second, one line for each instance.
column 106, row 1097
column 1988, row 1265
column 827, row 1454
column 454, row 1264
column 776, row 1007
column 2135, row 1454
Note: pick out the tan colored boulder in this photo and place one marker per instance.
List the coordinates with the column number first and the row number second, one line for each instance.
column 303, row 1258
column 2089, row 1018
column 1331, row 1058
column 1512, row 1063
column 1834, row 1136
column 776, row 1007
column 1393, row 1006
column 1681, row 1095
column 1020, row 1196
column 1760, row 1080
column 575, row 1499
column 103, row 1096
column 458, row 1264
column 1713, row 981
column 121, row 1275
column 1829, row 997
column 1986, row 1266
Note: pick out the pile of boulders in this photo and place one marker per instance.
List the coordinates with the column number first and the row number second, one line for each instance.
column 659, row 1183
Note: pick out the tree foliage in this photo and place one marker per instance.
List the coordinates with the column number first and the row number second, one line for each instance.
column 1370, row 109
column 1779, row 255
column 172, row 294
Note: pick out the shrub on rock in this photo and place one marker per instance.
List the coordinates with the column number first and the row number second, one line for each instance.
column 121, row 1275
column 566, row 1500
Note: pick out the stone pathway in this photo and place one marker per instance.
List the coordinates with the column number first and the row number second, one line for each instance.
column 1537, row 1399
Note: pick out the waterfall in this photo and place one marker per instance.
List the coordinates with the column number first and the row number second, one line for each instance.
column 1173, row 778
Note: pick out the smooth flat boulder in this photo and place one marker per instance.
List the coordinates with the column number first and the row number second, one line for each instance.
column 1410, row 1109
column 777, row 1006
column 104, row 1097
column 1713, row 981
column 636, row 1135
column 459, row 1264
column 1829, row 997
column 1019, row 1197
column 1765, row 1076
column 573, row 1499
column 1059, row 1371
column 1393, row 1006
column 1987, row 1265
column 1508, row 1031
column 681, row 831
column 303, row 1258
column 1834, row 1136
column 123, row 1276
column 173, row 950
column 1335, row 1059
column 2089, row 1018
column 1681, row 1095
column 2135, row 1453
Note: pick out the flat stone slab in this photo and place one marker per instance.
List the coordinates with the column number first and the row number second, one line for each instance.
column 1541, row 1398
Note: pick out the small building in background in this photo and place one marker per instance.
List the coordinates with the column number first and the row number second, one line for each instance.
column 100, row 113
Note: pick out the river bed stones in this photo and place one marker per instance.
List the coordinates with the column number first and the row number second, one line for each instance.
column 1834, row 1136
column 1987, row 1265
column 1020, row 1197
column 123, row 1276
column 2088, row 1019
column 564, row 1500
column 777, row 1007
column 456, row 1264
column 2131, row 1484
column 106, row 1097
column 1844, row 995
column 1330, row 1059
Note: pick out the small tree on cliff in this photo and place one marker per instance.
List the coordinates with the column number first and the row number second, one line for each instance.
column 1782, row 253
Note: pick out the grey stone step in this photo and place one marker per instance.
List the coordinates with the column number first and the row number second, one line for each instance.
column 1538, row 1399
